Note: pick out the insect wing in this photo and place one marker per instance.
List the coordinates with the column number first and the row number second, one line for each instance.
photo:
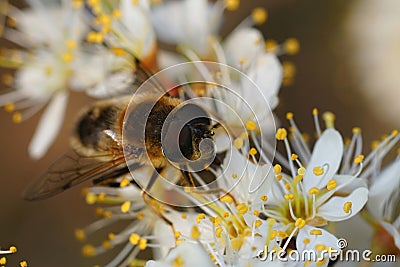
column 72, row 169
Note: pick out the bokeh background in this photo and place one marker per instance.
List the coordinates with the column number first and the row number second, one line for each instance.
column 332, row 73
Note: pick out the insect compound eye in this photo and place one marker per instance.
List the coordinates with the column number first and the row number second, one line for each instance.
column 185, row 138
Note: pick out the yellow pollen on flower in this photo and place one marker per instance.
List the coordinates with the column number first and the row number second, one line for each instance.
column 184, row 216
column 321, row 262
column 218, row 232
column 71, row 44
column 374, row 144
column 135, row 2
column 67, row 57
column 264, row 198
column 238, row 143
column 177, row 234
column 251, row 125
column 288, row 187
column 90, row 198
column 320, row 247
column 289, row 115
column 106, row 244
column 107, row 214
column 140, row 216
column 23, row 264
column 102, row 196
column 142, row 244
column 298, row 179
column 329, row 119
column 259, row 15
column 289, row 196
column 315, row 232
column 234, row 175
column 356, row 130
column 347, row 207
column 88, row 250
column 281, row 134
column 256, row 213
column 313, row 191
column 294, row 157
column 13, row 249
column 178, row 262
column 253, row 151
column 315, row 111
column 226, row 199
column 331, row 185
column 178, row 241
column 77, row 3
column 306, row 241
column 242, row 208
column 116, row 13
column 300, row 223
column 80, row 234
column 124, row 182
column 125, row 207
column 200, row 217
column 279, row 177
column 9, row 107
column 3, row 261
column 291, row 46
column 195, row 232
column 218, row 221
column 289, row 69
column 301, row 171
column 277, row 168
column 111, row 236
column 226, row 214
column 395, row 132
column 281, row 234
column 257, row 223
column 318, row 171
column 271, row 46
column 359, row 159
column 134, row 239
column 232, row 4
column 17, row 117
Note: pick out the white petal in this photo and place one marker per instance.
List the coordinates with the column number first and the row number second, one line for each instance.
column 393, row 231
column 192, row 255
column 244, row 44
column 49, row 125
column 166, row 238
column 328, row 151
column 333, row 209
column 382, row 189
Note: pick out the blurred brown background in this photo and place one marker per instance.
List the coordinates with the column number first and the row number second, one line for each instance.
column 43, row 231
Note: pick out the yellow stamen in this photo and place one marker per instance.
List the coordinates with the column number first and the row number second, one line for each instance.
column 111, row 236
column 315, row 232
column 320, row 247
column 218, row 232
column 331, row 185
column 134, row 239
column 3, row 261
column 238, row 143
column 347, row 207
column 251, row 125
column 271, row 46
column 281, row 134
column 9, row 107
column 236, row 243
column 125, row 207
column 77, row 3
column 313, row 191
column 226, row 199
column 253, row 151
column 242, row 208
column 329, row 119
column 13, row 249
column 142, row 244
column 234, row 175
column 106, row 244
column 306, row 241
column 67, row 57
column 264, row 198
column 23, row 264
column 259, row 15
column 277, row 168
column 177, row 234
column 88, row 250
column 301, row 171
column 178, row 262
column 289, row 196
column 80, row 234
column 294, row 157
column 289, row 115
column 291, row 46
column 200, row 217
column 256, row 213
column 232, row 4
column 184, row 216
column 17, row 117
column 257, row 223
column 195, row 232
column 300, row 223
column 359, row 159
column 124, row 182
column 318, row 171
column 116, row 13
column 356, row 130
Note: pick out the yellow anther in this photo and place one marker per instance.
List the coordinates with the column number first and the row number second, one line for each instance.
column 178, row 262
column 253, row 151
column 106, row 244
column 257, row 223
column 281, row 134
column 23, row 264
column 111, row 236
column 251, row 125
column 67, row 57
column 236, row 243
column 320, row 247
column 331, row 185
column 259, row 15
column 77, row 3
column 313, row 191
column 134, row 239
column 242, row 208
column 264, row 198
column 124, row 182
column 315, row 111
column 184, row 216
column 102, row 196
column 80, row 234
column 395, row 132
column 277, row 168
column 3, row 261
column 226, row 199
column 116, row 13
column 289, row 115
column 71, row 44
column 99, row 211
column 13, row 249
column 281, row 234
column 287, row 186
column 356, row 130
column 271, row 46
column 298, row 179
column 289, row 69
column 200, row 217
column 177, row 234
column 318, row 171
column 321, row 262
column 315, row 232
column 347, row 207
column 289, row 196
column 294, row 157
column 256, row 213
column 300, row 223
column 279, row 177
column 107, row 214
column 218, row 232
column 125, row 207
column 306, row 241
column 238, row 143
column 226, row 215
column 234, row 175
column 218, row 221
column 17, row 117
column 301, row 171
column 374, row 144
column 195, row 232
column 291, row 46
column 88, row 250
column 178, row 241
column 91, row 198
column 359, row 159
column 232, row 4
column 142, row 244
column 329, row 119
column 9, row 107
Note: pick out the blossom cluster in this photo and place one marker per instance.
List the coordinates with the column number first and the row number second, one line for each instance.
column 260, row 200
